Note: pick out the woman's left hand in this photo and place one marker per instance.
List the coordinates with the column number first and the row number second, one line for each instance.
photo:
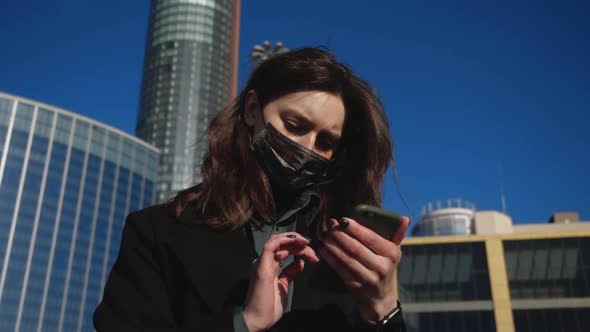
column 366, row 263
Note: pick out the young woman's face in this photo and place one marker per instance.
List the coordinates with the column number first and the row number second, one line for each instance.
column 313, row 119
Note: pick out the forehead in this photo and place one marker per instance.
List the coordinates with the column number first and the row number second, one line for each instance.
column 324, row 109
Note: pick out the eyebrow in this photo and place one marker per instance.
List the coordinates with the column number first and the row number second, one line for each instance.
column 307, row 120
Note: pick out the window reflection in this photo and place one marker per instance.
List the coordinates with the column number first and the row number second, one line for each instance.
column 444, row 272
column 548, row 267
column 62, row 211
column 552, row 320
column 451, row 321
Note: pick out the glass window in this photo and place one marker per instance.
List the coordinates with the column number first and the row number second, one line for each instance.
column 450, row 321
column 126, row 153
column 551, row 320
column 62, row 129
column 24, row 115
column 113, row 147
column 81, row 132
column 444, row 272
column 5, row 111
column 97, row 140
column 44, row 123
column 548, row 267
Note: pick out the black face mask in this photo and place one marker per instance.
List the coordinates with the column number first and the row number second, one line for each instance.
column 288, row 164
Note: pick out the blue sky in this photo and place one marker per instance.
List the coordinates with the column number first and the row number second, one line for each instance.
column 469, row 86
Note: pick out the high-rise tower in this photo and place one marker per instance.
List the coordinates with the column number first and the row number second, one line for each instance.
column 189, row 73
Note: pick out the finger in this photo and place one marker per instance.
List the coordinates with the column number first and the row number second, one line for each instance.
column 305, row 252
column 287, row 238
column 358, row 251
column 308, row 254
column 281, row 254
column 275, row 242
column 291, row 271
column 368, row 237
column 345, row 275
column 289, row 235
column 356, row 270
column 291, row 248
column 400, row 234
column 267, row 266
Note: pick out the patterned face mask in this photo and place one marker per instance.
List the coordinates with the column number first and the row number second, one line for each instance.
column 288, row 164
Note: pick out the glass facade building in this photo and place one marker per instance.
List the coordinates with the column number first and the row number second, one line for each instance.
column 549, row 283
column 497, row 282
column 66, row 184
column 189, row 73
column 446, row 287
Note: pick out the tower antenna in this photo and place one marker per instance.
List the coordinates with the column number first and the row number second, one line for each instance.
column 502, row 194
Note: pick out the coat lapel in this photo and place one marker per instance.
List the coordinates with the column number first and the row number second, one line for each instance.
column 217, row 263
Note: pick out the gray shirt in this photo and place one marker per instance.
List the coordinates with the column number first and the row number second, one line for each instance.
column 302, row 212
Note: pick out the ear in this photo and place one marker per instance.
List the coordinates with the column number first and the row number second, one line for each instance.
column 251, row 109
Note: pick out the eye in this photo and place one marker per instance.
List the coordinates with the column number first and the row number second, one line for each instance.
column 325, row 143
column 294, row 127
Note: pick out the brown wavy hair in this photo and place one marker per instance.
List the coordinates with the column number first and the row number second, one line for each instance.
column 234, row 186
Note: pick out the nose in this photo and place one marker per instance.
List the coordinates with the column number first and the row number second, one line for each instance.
column 308, row 141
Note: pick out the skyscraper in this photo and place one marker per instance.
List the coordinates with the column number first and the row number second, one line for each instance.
column 189, row 73
column 66, row 184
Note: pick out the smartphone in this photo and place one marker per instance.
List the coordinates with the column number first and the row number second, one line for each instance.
column 382, row 222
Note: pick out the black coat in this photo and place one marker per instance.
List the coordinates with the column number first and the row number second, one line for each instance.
column 174, row 275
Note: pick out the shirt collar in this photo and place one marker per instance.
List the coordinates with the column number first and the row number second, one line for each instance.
column 305, row 206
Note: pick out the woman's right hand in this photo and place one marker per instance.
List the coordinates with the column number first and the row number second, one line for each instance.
column 267, row 293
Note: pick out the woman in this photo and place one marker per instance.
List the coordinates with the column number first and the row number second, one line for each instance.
column 263, row 243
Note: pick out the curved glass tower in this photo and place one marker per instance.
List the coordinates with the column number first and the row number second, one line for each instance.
column 66, row 184
column 189, row 73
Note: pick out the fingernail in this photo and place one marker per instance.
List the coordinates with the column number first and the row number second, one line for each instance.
column 409, row 220
column 343, row 223
column 330, row 223
column 291, row 236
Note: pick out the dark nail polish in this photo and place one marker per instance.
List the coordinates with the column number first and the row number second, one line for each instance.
column 330, row 224
column 343, row 223
column 291, row 236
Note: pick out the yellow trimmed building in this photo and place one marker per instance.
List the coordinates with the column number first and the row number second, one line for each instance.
column 500, row 277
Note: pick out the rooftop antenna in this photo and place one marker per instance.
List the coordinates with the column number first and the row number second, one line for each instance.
column 502, row 195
